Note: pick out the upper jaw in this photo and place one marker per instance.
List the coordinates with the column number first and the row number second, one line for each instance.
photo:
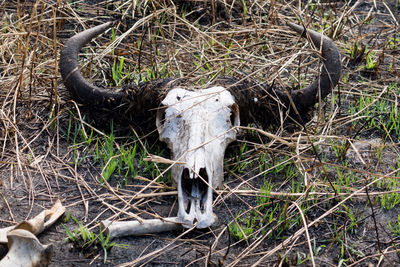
column 195, row 198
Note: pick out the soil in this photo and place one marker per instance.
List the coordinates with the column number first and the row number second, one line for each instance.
column 38, row 154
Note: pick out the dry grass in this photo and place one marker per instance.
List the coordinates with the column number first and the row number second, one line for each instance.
column 320, row 218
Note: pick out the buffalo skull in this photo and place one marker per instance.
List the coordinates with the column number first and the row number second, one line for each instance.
column 197, row 125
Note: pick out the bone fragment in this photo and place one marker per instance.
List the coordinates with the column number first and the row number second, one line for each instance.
column 24, row 249
column 135, row 228
column 37, row 224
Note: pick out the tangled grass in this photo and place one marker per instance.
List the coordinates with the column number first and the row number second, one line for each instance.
column 322, row 194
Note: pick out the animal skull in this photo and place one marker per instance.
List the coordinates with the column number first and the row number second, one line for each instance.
column 197, row 126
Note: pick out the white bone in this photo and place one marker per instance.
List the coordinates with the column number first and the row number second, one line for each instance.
column 37, row 224
column 134, row 228
column 24, row 249
column 198, row 126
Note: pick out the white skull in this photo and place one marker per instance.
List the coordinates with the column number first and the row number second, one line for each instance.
column 197, row 126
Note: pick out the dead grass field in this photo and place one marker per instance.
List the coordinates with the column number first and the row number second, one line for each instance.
column 326, row 194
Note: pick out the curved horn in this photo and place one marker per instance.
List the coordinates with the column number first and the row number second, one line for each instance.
column 330, row 74
column 72, row 77
column 257, row 103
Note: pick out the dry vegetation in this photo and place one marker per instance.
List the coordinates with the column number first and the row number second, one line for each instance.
column 326, row 194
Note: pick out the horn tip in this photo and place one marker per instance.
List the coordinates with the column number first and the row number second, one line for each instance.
column 297, row 28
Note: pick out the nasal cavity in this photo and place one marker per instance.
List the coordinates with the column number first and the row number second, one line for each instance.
column 199, row 184
column 203, row 187
column 186, row 184
column 186, row 181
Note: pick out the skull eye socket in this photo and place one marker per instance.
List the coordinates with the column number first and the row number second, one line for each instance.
column 234, row 117
column 160, row 117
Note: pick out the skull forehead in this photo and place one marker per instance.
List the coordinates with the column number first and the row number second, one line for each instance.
column 181, row 99
column 197, row 117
